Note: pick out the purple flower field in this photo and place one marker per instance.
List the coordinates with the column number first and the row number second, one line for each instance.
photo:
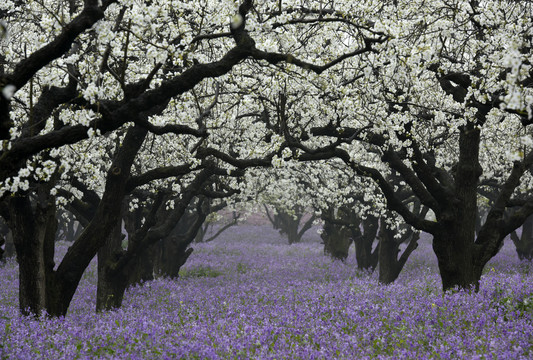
column 250, row 295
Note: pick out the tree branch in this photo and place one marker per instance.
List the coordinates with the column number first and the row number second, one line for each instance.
column 156, row 174
column 275, row 58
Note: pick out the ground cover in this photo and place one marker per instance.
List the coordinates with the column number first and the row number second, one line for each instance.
column 250, row 295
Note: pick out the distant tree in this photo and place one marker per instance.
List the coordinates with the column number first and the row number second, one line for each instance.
column 289, row 222
column 204, row 233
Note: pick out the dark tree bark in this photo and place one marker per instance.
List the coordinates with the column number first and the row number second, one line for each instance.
column 144, row 267
column 77, row 232
column 453, row 242
column 4, row 231
column 34, row 227
column 119, row 268
column 172, row 248
column 106, row 218
column 9, row 247
column 364, row 239
column 336, row 237
column 524, row 242
column 345, row 227
column 174, row 252
column 175, row 248
column 480, row 219
column 290, row 227
column 111, row 286
column 390, row 265
column 66, row 227
column 2, row 244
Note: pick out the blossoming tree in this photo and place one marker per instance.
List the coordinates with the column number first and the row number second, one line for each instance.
column 80, row 75
column 445, row 105
column 448, row 106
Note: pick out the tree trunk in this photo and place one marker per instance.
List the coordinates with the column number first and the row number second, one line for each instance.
column 146, row 261
column 390, row 266
column 71, row 229
column 453, row 242
column 171, row 252
column 455, row 255
column 200, row 237
column 174, row 253
column 367, row 258
column 292, row 230
column 273, row 218
column 77, row 232
column 9, row 249
column 8, row 245
column 123, row 266
column 144, row 267
column 106, row 218
column 111, row 286
column 336, row 238
column 288, row 225
column 4, row 231
column 480, row 219
column 34, row 228
column 388, row 257
column 524, row 242
column 32, row 277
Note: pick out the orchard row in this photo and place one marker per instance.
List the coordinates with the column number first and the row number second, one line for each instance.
column 382, row 116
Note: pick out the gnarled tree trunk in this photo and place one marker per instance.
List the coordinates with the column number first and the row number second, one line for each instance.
column 144, row 267
column 175, row 250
